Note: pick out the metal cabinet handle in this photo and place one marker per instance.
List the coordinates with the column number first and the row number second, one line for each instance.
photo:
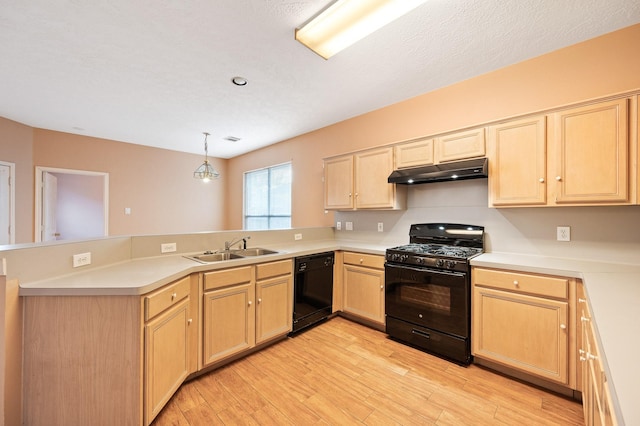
column 563, row 326
column 581, row 300
column 189, row 321
column 541, row 180
column 584, row 319
column 173, row 295
column 558, row 178
column 259, row 300
column 249, row 302
column 516, row 283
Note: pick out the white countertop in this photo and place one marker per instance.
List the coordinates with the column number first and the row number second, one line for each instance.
column 613, row 291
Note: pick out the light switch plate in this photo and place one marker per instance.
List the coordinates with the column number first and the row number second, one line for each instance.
column 297, row 237
column 380, row 227
column 338, row 225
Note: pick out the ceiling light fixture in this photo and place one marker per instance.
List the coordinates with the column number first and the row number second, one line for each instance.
column 239, row 81
column 206, row 172
column 345, row 22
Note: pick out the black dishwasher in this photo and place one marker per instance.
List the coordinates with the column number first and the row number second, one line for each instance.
column 313, row 289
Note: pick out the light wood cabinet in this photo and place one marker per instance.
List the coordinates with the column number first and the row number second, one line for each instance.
column 338, row 183
column 460, row 145
column 363, row 286
column 517, row 154
column 414, row 154
column 596, row 395
column 274, row 297
column 166, row 346
column 228, row 313
column 359, row 181
column 522, row 321
column 244, row 307
column 581, row 158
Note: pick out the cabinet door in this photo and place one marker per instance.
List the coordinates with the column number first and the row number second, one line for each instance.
column 414, row 154
column 517, row 163
column 457, row 146
column 372, row 190
column 338, row 183
column 525, row 332
column 274, row 308
column 590, row 163
column 229, row 322
column 364, row 292
column 166, row 357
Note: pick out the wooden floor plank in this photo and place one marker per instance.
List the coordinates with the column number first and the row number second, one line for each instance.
column 341, row 372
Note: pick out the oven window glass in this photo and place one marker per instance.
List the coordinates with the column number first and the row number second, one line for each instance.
column 430, row 296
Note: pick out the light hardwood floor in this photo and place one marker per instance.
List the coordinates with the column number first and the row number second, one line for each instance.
column 342, row 373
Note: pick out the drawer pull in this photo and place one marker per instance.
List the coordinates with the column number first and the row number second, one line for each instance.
column 563, row 326
column 189, row 321
column 516, row 283
column 584, row 319
column 249, row 302
column 558, row 178
column 361, row 260
column 591, row 356
column 259, row 300
column 581, row 300
column 173, row 296
column 541, row 180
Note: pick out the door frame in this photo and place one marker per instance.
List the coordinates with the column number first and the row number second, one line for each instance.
column 12, row 200
column 39, row 198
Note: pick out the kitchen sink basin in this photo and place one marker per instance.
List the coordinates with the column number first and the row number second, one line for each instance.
column 214, row 257
column 228, row 255
column 254, row 252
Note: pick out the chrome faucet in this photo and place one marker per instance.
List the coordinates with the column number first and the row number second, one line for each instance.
column 228, row 244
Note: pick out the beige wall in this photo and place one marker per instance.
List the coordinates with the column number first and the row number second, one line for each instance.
column 157, row 184
column 602, row 66
column 16, row 146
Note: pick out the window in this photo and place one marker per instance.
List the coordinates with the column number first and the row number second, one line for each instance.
column 267, row 198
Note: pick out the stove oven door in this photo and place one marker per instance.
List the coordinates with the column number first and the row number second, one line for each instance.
column 435, row 299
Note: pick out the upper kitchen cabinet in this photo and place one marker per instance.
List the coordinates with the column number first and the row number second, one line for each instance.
column 577, row 156
column 414, row 154
column 517, row 162
column 359, row 181
column 589, row 159
column 460, row 145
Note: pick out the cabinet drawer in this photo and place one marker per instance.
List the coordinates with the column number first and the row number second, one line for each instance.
column 165, row 297
column 368, row 260
column 273, row 269
column 227, row 277
column 523, row 283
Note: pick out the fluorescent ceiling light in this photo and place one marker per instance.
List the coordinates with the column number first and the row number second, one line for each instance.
column 347, row 21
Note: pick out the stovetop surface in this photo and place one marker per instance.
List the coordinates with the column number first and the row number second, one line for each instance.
column 437, row 250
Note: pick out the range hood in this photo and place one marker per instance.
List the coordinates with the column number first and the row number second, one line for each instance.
column 456, row 170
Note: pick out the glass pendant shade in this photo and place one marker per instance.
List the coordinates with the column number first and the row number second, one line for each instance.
column 206, row 172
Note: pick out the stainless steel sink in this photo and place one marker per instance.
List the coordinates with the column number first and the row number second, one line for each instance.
column 254, row 252
column 228, row 255
column 215, row 257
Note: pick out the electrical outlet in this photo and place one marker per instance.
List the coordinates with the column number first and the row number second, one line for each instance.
column 82, row 259
column 338, row 225
column 564, row 233
column 297, row 237
column 380, row 227
column 349, row 226
column 168, row 247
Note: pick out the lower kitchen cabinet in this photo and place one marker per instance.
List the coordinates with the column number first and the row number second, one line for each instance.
column 522, row 321
column 596, row 395
column 244, row 307
column 363, row 286
column 274, row 297
column 228, row 313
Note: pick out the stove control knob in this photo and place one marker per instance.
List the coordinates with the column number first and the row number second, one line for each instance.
column 451, row 264
column 440, row 263
column 394, row 256
column 404, row 258
column 419, row 260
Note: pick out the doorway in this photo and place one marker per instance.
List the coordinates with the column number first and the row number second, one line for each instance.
column 7, row 203
column 71, row 204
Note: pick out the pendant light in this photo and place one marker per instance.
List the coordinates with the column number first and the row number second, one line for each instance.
column 206, row 172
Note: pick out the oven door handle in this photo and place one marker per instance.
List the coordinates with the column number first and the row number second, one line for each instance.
column 435, row 271
column 421, row 333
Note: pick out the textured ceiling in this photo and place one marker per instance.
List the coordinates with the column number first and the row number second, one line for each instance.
column 158, row 72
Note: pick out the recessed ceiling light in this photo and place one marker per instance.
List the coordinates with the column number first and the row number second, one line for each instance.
column 239, row 81
column 231, row 139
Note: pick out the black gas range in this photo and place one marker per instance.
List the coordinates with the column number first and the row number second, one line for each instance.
column 428, row 288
